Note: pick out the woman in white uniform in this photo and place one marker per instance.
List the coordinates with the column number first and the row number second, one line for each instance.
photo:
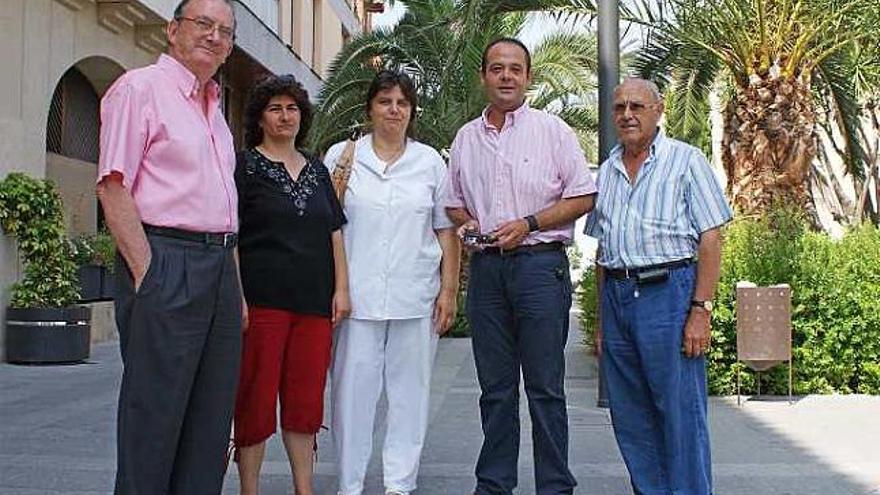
column 403, row 259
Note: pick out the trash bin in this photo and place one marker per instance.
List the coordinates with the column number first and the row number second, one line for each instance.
column 763, row 330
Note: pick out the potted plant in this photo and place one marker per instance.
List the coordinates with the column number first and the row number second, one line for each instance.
column 42, row 325
column 104, row 248
column 94, row 256
column 88, row 273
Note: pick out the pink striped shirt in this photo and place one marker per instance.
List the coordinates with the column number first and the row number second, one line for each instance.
column 177, row 162
column 532, row 162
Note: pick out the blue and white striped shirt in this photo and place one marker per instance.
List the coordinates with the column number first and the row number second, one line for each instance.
column 676, row 197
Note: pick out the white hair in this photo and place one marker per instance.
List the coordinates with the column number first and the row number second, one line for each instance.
column 652, row 87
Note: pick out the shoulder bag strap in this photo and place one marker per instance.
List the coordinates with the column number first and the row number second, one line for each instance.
column 342, row 171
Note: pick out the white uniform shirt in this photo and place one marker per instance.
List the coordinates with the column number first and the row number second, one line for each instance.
column 392, row 250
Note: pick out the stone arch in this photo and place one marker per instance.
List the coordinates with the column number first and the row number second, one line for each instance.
column 72, row 129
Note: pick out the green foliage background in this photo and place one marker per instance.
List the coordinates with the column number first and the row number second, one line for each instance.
column 835, row 305
column 94, row 249
column 31, row 210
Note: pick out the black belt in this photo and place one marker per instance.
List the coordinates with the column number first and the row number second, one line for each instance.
column 526, row 248
column 223, row 239
column 631, row 272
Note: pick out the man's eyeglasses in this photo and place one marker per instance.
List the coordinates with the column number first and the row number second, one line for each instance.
column 635, row 107
column 206, row 26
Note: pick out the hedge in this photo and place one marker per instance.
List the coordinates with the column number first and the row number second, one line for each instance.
column 835, row 305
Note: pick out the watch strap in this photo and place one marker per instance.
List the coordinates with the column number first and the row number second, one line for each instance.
column 532, row 221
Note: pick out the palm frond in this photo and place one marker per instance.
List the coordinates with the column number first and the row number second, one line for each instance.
column 836, row 79
column 439, row 43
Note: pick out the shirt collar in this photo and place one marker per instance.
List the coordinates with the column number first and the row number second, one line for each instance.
column 616, row 155
column 370, row 158
column 185, row 79
column 659, row 138
column 510, row 118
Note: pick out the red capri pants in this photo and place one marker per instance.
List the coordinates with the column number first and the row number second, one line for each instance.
column 284, row 355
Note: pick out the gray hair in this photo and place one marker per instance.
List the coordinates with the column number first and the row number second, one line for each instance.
column 178, row 11
column 652, row 87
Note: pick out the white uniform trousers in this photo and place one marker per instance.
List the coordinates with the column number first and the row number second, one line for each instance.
column 369, row 355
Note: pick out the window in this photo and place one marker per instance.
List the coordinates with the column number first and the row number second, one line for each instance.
column 74, row 120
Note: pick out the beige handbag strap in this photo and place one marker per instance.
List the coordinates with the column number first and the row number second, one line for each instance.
column 342, row 171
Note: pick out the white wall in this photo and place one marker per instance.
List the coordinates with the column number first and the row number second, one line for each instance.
column 267, row 11
column 39, row 41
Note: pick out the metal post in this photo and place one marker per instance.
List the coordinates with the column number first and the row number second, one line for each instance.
column 609, row 78
column 609, row 73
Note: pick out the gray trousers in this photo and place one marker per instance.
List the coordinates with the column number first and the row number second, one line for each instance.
column 180, row 337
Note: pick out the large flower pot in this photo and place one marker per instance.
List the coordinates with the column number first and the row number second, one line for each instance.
column 90, row 282
column 46, row 336
column 108, row 284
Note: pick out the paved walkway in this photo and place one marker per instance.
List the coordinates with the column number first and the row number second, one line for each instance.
column 57, row 436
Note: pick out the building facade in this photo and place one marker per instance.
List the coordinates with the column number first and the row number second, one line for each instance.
column 60, row 56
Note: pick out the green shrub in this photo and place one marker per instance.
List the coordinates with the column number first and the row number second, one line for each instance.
column 835, row 305
column 585, row 298
column 460, row 327
column 105, row 250
column 31, row 210
column 81, row 250
column 94, row 249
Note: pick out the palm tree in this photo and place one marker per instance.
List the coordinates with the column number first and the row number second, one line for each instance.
column 780, row 61
column 439, row 43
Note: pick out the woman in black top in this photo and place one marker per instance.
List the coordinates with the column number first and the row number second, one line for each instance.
column 294, row 279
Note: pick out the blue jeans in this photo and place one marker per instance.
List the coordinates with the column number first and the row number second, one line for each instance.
column 518, row 309
column 657, row 395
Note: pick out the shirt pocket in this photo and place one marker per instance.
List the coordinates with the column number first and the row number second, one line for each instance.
column 538, row 176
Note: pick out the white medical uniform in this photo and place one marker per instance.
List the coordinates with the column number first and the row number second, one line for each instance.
column 389, row 340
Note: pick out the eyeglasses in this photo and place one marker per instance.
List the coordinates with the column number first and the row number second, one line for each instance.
column 635, row 107
column 207, row 26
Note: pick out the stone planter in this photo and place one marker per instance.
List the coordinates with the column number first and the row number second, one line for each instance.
column 96, row 283
column 47, row 335
column 108, row 284
column 90, row 281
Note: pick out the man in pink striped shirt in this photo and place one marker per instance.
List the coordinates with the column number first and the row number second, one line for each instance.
column 165, row 181
column 518, row 176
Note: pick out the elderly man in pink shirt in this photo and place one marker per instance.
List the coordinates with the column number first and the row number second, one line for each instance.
column 518, row 180
column 165, row 181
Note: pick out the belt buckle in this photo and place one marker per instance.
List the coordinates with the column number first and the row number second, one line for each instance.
column 228, row 238
column 626, row 273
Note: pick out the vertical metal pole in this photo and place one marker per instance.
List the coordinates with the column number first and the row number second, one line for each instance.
column 609, row 78
column 609, row 73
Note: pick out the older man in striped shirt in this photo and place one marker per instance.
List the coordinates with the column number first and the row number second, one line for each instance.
column 657, row 220
column 519, row 177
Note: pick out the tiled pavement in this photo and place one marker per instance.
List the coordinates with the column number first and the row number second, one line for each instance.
column 57, row 436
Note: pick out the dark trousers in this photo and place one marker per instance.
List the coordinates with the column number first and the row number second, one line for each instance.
column 657, row 395
column 180, row 337
column 518, row 310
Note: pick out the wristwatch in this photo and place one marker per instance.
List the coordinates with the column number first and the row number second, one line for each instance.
column 532, row 221
column 706, row 305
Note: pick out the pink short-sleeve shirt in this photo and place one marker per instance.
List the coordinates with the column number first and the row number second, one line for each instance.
column 504, row 174
column 176, row 161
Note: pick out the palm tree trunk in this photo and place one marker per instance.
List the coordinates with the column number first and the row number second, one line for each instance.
column 769, row 143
